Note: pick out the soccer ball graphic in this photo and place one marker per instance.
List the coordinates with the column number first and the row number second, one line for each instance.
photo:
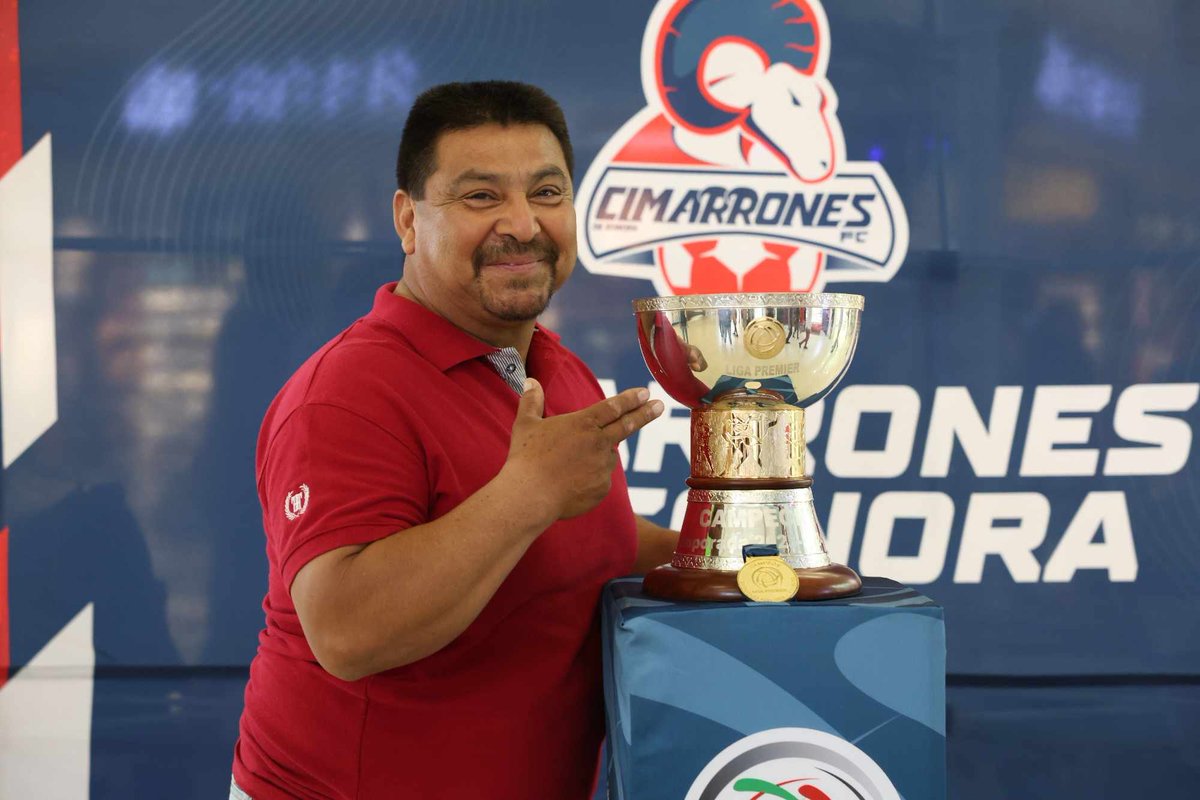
column 740, row 264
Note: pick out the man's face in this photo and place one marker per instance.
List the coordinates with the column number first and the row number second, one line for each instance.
column 494, row 236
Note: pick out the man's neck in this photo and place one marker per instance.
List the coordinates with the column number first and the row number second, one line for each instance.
column 517, row 335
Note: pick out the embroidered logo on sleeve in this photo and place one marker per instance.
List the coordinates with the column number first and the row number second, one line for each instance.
column 296, row 503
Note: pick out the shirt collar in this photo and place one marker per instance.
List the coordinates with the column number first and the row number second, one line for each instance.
column 438, row 339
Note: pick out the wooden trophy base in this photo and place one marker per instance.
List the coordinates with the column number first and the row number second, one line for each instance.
column 688, row 585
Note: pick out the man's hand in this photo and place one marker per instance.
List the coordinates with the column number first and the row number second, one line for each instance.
column 567, row 461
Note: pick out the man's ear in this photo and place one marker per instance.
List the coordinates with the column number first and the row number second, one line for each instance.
column 404, row 219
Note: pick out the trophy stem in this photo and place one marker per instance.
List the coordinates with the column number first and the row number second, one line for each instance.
column 748, row 488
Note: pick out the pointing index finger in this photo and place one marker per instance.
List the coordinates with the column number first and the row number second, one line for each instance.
column 627, row 424
column 611, row 409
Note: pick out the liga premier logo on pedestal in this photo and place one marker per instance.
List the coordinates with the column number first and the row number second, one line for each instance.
column 792, row 764
column 734, row 178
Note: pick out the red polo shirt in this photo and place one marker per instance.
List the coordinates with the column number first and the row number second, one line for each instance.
column 392, row 424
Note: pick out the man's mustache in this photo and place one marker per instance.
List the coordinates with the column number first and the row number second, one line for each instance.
column 538, row 250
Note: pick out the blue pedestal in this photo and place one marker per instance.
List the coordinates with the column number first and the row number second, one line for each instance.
column 717, row 701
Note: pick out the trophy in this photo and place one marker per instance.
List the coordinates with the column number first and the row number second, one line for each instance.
column 747, row 365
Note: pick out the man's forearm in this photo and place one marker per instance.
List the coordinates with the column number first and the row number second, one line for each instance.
column 656, row 545
column 408, row 595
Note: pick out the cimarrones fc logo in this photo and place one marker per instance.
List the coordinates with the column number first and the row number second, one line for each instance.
column 734, row 177
column 792, row 764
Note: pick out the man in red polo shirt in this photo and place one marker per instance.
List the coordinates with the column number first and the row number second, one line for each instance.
column 442, row 499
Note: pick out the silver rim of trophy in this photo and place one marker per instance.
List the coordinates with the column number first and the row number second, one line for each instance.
column 685, row 302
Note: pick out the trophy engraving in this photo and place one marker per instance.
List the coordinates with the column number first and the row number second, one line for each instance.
column 747, row 365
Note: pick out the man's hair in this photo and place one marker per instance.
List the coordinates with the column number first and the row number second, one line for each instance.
column 458, row 106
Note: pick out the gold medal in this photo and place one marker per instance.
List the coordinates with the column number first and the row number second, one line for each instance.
column 768, row 579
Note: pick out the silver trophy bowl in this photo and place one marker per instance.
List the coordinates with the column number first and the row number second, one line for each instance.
column 700, row 347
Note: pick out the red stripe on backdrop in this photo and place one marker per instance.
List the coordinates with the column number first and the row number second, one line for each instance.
column 10, row 152
column 4, row 652
column 10, row 87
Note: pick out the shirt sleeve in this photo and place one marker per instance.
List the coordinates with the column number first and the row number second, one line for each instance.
column 333, row 478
